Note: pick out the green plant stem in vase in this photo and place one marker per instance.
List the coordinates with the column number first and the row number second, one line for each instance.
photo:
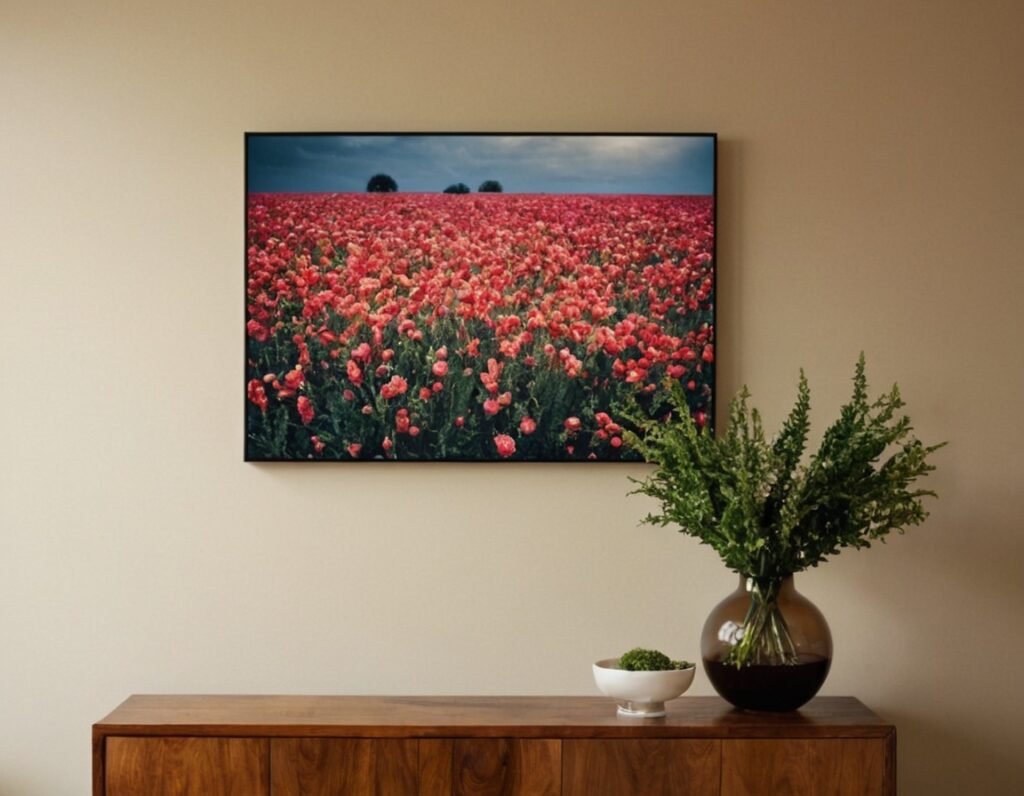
column 768, row 511
column 765, row 639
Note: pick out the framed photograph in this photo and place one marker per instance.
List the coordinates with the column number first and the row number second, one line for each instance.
column 474, row 297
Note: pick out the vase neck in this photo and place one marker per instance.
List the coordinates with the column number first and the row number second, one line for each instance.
column 776, row 586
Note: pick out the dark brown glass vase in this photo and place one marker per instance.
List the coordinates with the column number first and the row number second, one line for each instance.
column 766, row 646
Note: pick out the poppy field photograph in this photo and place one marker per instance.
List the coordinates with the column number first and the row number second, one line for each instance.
column 451, row 297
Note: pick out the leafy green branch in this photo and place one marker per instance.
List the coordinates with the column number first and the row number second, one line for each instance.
column 765, row 510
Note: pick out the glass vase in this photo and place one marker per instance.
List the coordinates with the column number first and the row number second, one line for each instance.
column 766, row 646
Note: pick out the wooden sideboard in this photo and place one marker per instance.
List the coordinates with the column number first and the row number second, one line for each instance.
column 506, row 746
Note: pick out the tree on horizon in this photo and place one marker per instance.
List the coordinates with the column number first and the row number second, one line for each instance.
column 381, row 183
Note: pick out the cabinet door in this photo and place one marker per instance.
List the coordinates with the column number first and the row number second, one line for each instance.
column 655, row 767
column 804, row 767
column 490, row 767
column 187, row 767
column 349, row 766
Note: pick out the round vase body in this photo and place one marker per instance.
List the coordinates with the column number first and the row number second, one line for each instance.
column 766, row 646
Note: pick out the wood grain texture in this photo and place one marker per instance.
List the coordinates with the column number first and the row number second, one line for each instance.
column 332, row 766
column 99, row 764
column 490, row 767
column 507, row 767
column 821, row 767
column 495, row 717
column 187, row 767
column 661, row 767
column 435, row 766
column 889, row 786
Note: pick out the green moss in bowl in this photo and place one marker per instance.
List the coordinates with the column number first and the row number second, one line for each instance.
column 643, row 660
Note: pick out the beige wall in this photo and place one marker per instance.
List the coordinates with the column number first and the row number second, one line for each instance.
column 871, row 182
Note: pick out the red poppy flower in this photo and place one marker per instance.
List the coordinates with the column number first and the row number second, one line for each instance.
column 505, row 445
column 397, row 386
column 257, row 394
column 305, row 407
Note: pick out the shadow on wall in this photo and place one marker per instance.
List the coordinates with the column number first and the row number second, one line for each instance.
column 971, row 565
column 979, row 768
column 728, row 270
column 966, row 604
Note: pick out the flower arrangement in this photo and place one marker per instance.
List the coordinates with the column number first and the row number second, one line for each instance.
column 770, row 513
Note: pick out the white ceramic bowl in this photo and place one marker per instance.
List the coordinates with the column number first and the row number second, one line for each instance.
column 641, row 693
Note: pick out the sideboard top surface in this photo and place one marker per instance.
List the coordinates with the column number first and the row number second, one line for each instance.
column 475, row 716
